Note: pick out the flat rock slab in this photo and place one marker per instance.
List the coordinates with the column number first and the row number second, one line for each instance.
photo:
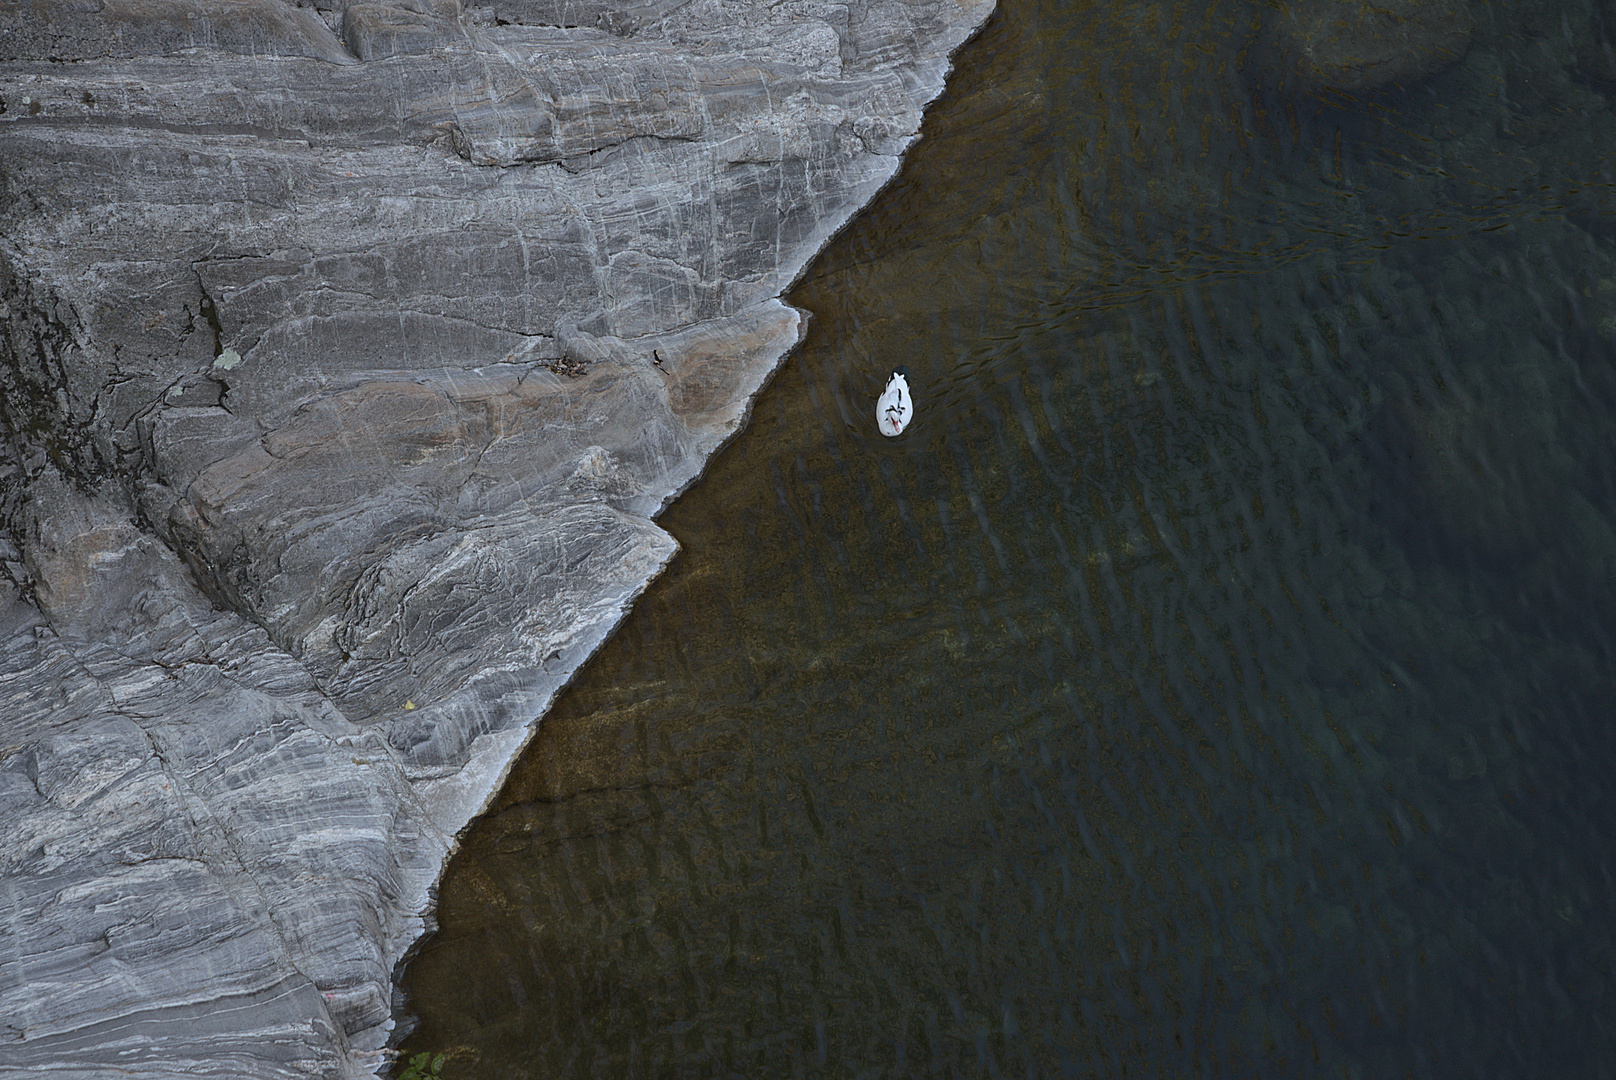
column 349, row 354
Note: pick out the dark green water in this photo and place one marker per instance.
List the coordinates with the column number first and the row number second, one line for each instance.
column 1216, row 680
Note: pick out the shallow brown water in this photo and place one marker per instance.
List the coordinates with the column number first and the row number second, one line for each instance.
column 1216, row 678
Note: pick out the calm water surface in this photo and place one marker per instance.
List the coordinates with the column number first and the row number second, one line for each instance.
column 1216, row 680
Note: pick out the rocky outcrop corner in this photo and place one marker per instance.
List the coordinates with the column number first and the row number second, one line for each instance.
column 349, row 352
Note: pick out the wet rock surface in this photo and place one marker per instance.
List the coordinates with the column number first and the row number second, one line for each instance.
column 349, row 353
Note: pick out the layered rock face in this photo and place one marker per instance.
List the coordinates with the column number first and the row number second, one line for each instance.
column 349, row 352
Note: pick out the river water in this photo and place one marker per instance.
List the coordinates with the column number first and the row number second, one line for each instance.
column 1217, row 678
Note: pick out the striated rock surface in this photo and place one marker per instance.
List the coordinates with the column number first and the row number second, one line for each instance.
column 349, row 352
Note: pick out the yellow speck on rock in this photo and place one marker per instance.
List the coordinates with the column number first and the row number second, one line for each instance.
column 409, row 704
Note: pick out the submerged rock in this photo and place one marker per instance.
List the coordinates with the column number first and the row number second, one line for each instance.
column 1363, row 45
column 349, row 353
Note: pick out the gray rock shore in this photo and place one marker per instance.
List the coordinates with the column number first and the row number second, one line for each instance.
column 349, row 353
